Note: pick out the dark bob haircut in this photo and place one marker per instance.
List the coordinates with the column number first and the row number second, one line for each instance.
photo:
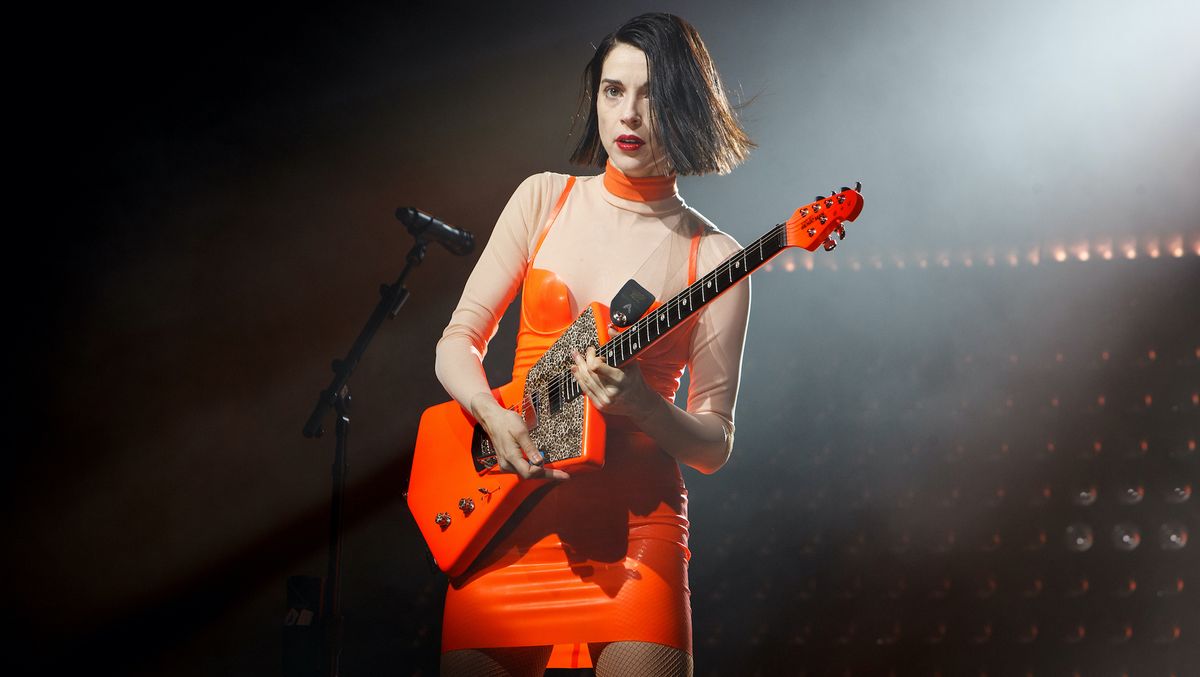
column 688, row 106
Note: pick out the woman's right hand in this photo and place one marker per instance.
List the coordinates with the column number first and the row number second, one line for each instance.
column 515, row 451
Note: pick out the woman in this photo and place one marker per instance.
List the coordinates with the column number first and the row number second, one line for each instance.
column 596, row 567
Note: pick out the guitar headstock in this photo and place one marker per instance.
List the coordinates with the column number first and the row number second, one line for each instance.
column 814, row 224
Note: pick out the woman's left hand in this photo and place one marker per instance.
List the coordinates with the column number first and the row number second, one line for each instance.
column 622, row 392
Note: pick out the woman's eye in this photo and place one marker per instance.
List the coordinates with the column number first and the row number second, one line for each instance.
column 611, row 91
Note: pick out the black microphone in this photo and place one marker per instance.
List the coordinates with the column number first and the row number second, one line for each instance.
column 420, row 224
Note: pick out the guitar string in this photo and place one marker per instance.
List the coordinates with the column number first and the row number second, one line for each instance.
column 563, row 381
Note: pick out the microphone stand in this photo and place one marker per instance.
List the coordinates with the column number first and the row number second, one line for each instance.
column 337, row 396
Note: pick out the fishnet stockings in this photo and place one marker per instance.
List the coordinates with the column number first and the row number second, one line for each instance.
column 640, row 659
column 517, row 661
column 615, row 659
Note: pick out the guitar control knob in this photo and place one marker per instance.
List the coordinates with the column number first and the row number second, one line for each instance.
column 442, row 519
column 466, row 505
column 830, row 244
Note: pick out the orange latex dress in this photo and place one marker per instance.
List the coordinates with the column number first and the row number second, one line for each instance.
column 603, row 556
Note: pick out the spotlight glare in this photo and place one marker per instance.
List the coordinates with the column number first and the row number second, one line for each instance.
column 1175, row 244
column 1060, row 254
column 808, row 263
column 789, row 264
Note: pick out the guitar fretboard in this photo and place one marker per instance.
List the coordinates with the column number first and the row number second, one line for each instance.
column 653, row 326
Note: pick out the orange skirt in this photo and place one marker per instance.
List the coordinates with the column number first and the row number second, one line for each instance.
column 601, row 557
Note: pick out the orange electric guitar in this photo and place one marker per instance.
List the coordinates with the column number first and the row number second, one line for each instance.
column 458, row 495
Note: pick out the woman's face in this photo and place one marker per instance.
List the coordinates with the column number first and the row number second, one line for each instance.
column 623, row 113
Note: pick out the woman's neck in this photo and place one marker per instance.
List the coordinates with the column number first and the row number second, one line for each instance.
column 638, row 189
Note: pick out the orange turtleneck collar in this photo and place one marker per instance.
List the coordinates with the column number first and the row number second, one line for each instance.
column 638, row 189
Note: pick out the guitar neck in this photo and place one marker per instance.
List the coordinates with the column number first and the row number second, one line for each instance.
column 810, row 228
column 653, row 326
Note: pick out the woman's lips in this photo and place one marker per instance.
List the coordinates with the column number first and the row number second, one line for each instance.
column 628, row 142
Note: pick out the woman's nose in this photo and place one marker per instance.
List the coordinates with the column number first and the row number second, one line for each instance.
column 630, row 114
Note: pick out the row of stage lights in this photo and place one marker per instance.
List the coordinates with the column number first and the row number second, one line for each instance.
column 1099, row 249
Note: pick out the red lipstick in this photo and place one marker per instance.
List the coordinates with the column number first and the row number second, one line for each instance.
column 629, row 142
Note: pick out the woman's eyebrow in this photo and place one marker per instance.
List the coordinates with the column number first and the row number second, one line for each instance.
column 611, row 81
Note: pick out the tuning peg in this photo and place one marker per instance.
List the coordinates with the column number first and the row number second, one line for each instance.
column 818, row 198
column 829, row 244
column 841, row 231
column 832, row 193
column 858, row 186
column 845, row 188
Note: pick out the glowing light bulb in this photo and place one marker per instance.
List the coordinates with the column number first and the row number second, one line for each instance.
column 1175, row 245
column 1126, row 536
column 1079, row 537
column 1172, row 536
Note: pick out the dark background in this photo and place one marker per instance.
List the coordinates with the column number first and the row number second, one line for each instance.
column 212, row 190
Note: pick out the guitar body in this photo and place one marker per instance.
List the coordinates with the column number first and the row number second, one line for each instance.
column 457, row 493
